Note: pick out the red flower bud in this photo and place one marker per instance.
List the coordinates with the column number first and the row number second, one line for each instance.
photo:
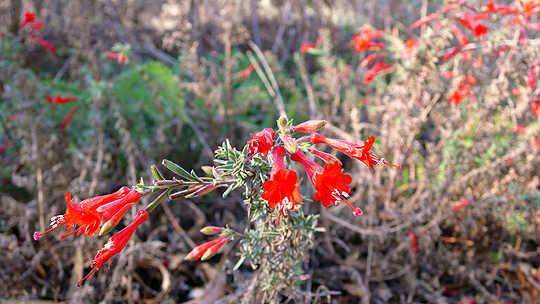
column 116, row 243
column 211, row 230
column 200, row 250
column 310, row 126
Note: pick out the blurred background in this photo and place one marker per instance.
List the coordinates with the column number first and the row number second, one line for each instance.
column 458, row 224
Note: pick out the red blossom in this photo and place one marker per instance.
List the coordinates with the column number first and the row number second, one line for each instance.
column 530, row 9
column 368, row 60
column 535, row 107
column 311, row 167
column 531, row 78
column 453, row 52
column 522, row 36
column 44, row 43
column 449, row 8
column 410, row 45
column 307, row 46
column 423, row 21
column 375, row 69
column 120, row 57
column 309, row 126
column 4, row 146
column 278, row 152
column 244, row 74
column 502, row 49
column 460, row 205
column 328, row 158
column 116, row 243
column 462, row 39
column 448, row 74
column 362, row 42
column 28, row 17
column 362, row 153
column 534, row 144
column 86, row 214
column 59, row 99
column 533, row 26
column 471, row 23
column 518, row 129
column 261, row 142
column 414, row 241
column 68, row 118
column 2, row 33
column 491, row 7
column 282, row 192
column 206, row 250
column 333, row 187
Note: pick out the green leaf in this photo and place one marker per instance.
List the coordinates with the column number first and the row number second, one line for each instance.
column 239, row 263
column 179, row 170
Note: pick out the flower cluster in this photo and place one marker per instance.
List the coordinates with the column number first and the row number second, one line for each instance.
column 99, row 215
column 330, row 183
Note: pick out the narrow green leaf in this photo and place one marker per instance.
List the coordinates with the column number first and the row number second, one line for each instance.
column 178, row 170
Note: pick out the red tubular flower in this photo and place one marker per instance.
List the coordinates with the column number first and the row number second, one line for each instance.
column 373, row 71
column 502, row 49
column 471, row 23
column 423, row 21
column 491, row 7
column 112, row 213
column 452, row 53
column 120, row 57
column 414, row 241
column 531, row 78
column 461, row 205
column 261, row 142
column 535, row 107
column 449, row 8
column 309, row 126
column 332, row 187
column 68, row 117
column 307, row 46
column 116, row 243
column 36, row 25
column 368, row 60
column 410, row 45
column 84, row 214
column 518, row 129
column 244, row 74
column 282, row 192
column 328, row 158
column 211, row 230
column 44, row 43
column 2, row 33
column 448, row 74
column 535, row 144
column 4, row 146
column 530, row 9
column 28, row 17
column 206, row 250
column 59, row 99
column 462, row 39
column 362, row 153
column 311, row 167
column 278, row 152
column 362, row 42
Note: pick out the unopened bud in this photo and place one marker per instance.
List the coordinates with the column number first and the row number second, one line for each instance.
column 329, row 158
column 211, row 230
column 310, row 126
column 211, row 251
column 198, row 251
column 289, row 143
column 282, row 122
